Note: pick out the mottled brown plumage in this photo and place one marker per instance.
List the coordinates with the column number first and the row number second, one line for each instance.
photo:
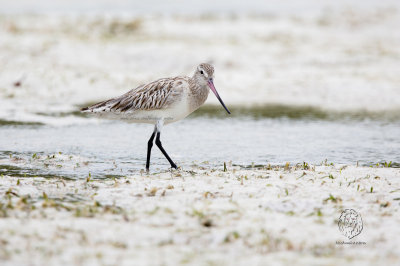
column 160, row 102
column 155, row 95
column 159, row 94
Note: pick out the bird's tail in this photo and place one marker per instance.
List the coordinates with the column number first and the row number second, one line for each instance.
column 95, row 107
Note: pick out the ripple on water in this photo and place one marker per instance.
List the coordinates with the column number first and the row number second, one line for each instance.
column 114, row 149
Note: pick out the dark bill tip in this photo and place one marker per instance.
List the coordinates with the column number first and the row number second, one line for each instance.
column 212, row 87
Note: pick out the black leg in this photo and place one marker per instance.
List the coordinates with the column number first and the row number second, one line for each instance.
column 158, row 143
column 149, row 145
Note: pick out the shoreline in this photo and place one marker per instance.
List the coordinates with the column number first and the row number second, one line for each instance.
column 199, row 216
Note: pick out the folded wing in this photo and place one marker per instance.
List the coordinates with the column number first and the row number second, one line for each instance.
column 155, row 95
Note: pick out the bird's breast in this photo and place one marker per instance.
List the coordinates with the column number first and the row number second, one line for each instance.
column 197, row 98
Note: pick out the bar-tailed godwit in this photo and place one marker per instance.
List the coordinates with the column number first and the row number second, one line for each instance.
column 160, row 102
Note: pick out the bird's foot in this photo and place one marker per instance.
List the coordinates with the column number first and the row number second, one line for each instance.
column 173, row 165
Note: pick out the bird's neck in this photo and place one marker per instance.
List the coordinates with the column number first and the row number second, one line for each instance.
column 198, row 94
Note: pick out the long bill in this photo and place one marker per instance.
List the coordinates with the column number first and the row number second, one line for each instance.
column 211, row 85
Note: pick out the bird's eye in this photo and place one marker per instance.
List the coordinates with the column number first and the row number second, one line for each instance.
column 201, row 72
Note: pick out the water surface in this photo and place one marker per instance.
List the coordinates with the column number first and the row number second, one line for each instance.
column 112, row 148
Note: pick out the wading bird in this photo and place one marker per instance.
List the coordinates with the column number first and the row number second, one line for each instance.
column 160, row 102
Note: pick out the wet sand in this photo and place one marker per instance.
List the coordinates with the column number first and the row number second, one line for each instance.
column 201, row 215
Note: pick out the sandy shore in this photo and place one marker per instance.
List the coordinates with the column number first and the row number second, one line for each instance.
column 202, row 216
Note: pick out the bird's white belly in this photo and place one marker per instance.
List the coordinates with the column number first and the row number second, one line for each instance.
column 177, row 111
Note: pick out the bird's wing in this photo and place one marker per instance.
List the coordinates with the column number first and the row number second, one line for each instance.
column 155, row 95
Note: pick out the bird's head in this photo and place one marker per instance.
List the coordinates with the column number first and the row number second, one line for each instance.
column 204, row 75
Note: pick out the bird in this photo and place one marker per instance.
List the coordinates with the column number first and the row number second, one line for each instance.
column 160, row 102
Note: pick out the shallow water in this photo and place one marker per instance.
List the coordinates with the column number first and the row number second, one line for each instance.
column 115, row 148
